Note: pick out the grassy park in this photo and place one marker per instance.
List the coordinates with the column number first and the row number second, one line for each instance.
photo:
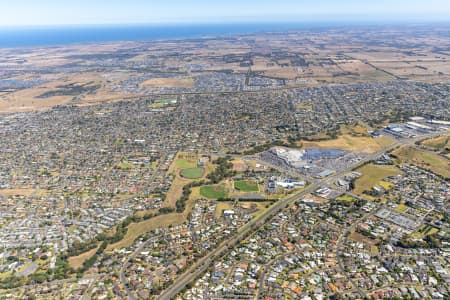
column 246, row 186
column 192, row 173
column 213, row 191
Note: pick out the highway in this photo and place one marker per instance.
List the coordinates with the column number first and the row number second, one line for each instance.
column 202, row 264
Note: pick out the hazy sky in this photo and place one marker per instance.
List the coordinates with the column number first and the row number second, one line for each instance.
column 51, row 12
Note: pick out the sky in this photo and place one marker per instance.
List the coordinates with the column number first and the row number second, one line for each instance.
column 86, row 12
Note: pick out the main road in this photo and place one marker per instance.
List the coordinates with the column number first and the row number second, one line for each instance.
column 202, row 264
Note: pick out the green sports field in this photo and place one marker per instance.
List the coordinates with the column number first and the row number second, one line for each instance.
column 213, row 191
column 192, row 173
column 246, row 186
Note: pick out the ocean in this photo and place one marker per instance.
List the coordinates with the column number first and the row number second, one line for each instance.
column 65, row 35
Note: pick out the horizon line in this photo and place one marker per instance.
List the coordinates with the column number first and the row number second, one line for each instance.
column 256, row 22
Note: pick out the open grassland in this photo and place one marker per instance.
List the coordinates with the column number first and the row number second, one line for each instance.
column 124, row 166
column 175, row 191
column 213, row 191
column 76, row 262
column 246, row 186
column 437, row 144
column 142, row 213
column 349, row 142
column 346, row 198
column 304, row 106
column 386, row 185
column 185, row 163
column 192, row 173
column 423, row 159
column 137, row 229
column 401, row 208
column 373, row 175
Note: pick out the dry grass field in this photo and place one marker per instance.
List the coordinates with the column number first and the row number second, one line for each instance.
column 352, row 143
column 137, row 229
column 170, row 82
column 239, row 165
column 76, row 262
column 284, row 73
column 437, row 144
column 424, row 159
column 373, row 175
column 17, row 192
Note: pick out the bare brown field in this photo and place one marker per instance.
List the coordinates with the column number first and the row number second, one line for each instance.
column 170, row 82
column 17, row 192
column 354, row 66
column 283, row 73
column 388, row 55
column 239, row 165
column 358, row 237
column 25, row 100
column 406, row 71
column 352, row 143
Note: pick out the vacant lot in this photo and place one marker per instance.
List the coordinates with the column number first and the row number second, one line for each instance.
column 246, row 186
column 346, row 198
column 213, row 191
column 373, row 175
column 192, row 173
column 401, row 208
column 182, row 82
column 221, row 206
column 437, row 144
column 352, row 143
column 76, row 262
column 137, row 229
column 17, row 192
column 358, row 237
column 239, row 165
column 424, row 159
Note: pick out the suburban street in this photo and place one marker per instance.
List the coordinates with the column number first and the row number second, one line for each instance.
column 201, row 265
